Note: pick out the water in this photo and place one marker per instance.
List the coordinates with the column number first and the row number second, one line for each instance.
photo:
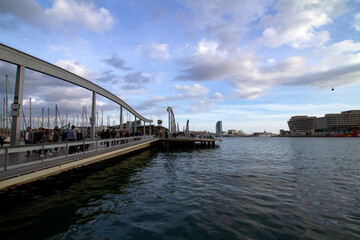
column 247, row 188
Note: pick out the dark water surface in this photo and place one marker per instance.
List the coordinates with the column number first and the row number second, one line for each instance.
column 247, row 188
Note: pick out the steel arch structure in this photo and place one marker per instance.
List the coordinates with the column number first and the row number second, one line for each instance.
column 172, row 124
column 23, row 60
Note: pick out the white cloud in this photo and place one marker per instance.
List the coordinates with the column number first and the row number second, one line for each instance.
column 153, row 51
column 218, row 97
column 209, row 48
column 244, row 71
column 81, row 14
column 270, row 61
column 356, row 24
column 76, row 68
column 192, row 91
column 62, row 16
column 339, row 54
column 201, row 106
column 299, row 23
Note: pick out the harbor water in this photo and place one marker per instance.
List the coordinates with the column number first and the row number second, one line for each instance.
column 244, row 188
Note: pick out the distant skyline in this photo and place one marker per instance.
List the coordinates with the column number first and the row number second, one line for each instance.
column 250, row 64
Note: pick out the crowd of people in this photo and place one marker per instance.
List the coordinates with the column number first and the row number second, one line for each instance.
column 43, row 136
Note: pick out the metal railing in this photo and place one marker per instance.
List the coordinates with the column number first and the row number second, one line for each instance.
column 12, row 157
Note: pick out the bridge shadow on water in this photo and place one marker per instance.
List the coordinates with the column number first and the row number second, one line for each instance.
column 46, row 207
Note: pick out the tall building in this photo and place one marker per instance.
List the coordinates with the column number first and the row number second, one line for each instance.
column 302, row 125
column 342, row 123
column 219, row 128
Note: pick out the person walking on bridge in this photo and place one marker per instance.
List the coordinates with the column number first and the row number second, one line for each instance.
column 29, row 138
column 56, row 136
column 2, row 138
column 72, row 137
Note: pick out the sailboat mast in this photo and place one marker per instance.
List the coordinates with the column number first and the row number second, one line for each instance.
column 30, row 114
column 42, row 118
column 48, row 123
column 6, row 104
column 56, row 114
column 4, row 116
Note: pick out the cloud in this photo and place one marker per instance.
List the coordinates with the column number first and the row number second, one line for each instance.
column 159, row 77
column 217, row 97
column 136, row 80
column 249, row 76
column 241, row 12
column 299, row 23
column 64, row 14
column 228, row 34
column 153, row 51
column 208, row 56
column 195, row 94
column 76, row 68
column 116, row 62
column 192, row 91
column 340, row 76
column 223, row 21
column 81, row 14
column 356, row 24
column 201, row 106
column 26, row 10
column 107, row 76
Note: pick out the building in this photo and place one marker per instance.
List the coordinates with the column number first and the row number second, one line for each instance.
column 330, row 124
column 302, row 125
column 232, row 131
column 218, row 128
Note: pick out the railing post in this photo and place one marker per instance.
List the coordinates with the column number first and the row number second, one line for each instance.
column 93, row 118
column 67, row 148
column 6, row 158
column 43, row 153
column 83, row 146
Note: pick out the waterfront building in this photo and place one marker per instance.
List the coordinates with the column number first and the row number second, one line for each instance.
column 218, row 128
column 333, row 123
column 232, row 131
column 302, row 125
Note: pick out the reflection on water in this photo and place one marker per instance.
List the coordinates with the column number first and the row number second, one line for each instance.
column 248, row 188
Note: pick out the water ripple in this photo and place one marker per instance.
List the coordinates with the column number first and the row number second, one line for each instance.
column 248, row 188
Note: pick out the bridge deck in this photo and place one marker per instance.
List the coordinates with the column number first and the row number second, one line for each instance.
column 20, row 169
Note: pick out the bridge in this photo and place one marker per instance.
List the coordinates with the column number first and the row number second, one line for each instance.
column 16, row 168
column 23, row 60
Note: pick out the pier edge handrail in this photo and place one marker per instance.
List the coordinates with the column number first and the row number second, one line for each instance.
column 7, row 150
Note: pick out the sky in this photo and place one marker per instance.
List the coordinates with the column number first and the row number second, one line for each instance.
column 251, row 64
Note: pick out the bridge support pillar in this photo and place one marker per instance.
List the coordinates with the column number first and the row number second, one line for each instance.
column 135, row 126
column 144, row 128
column 92, row 120
column 121, row 117
column 16, row 107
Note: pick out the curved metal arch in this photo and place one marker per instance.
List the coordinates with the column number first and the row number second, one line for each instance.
column 172, row 124
column 16, row 57
column 187, row 129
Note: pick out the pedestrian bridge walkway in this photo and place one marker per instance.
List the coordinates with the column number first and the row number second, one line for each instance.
column 18, row 167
